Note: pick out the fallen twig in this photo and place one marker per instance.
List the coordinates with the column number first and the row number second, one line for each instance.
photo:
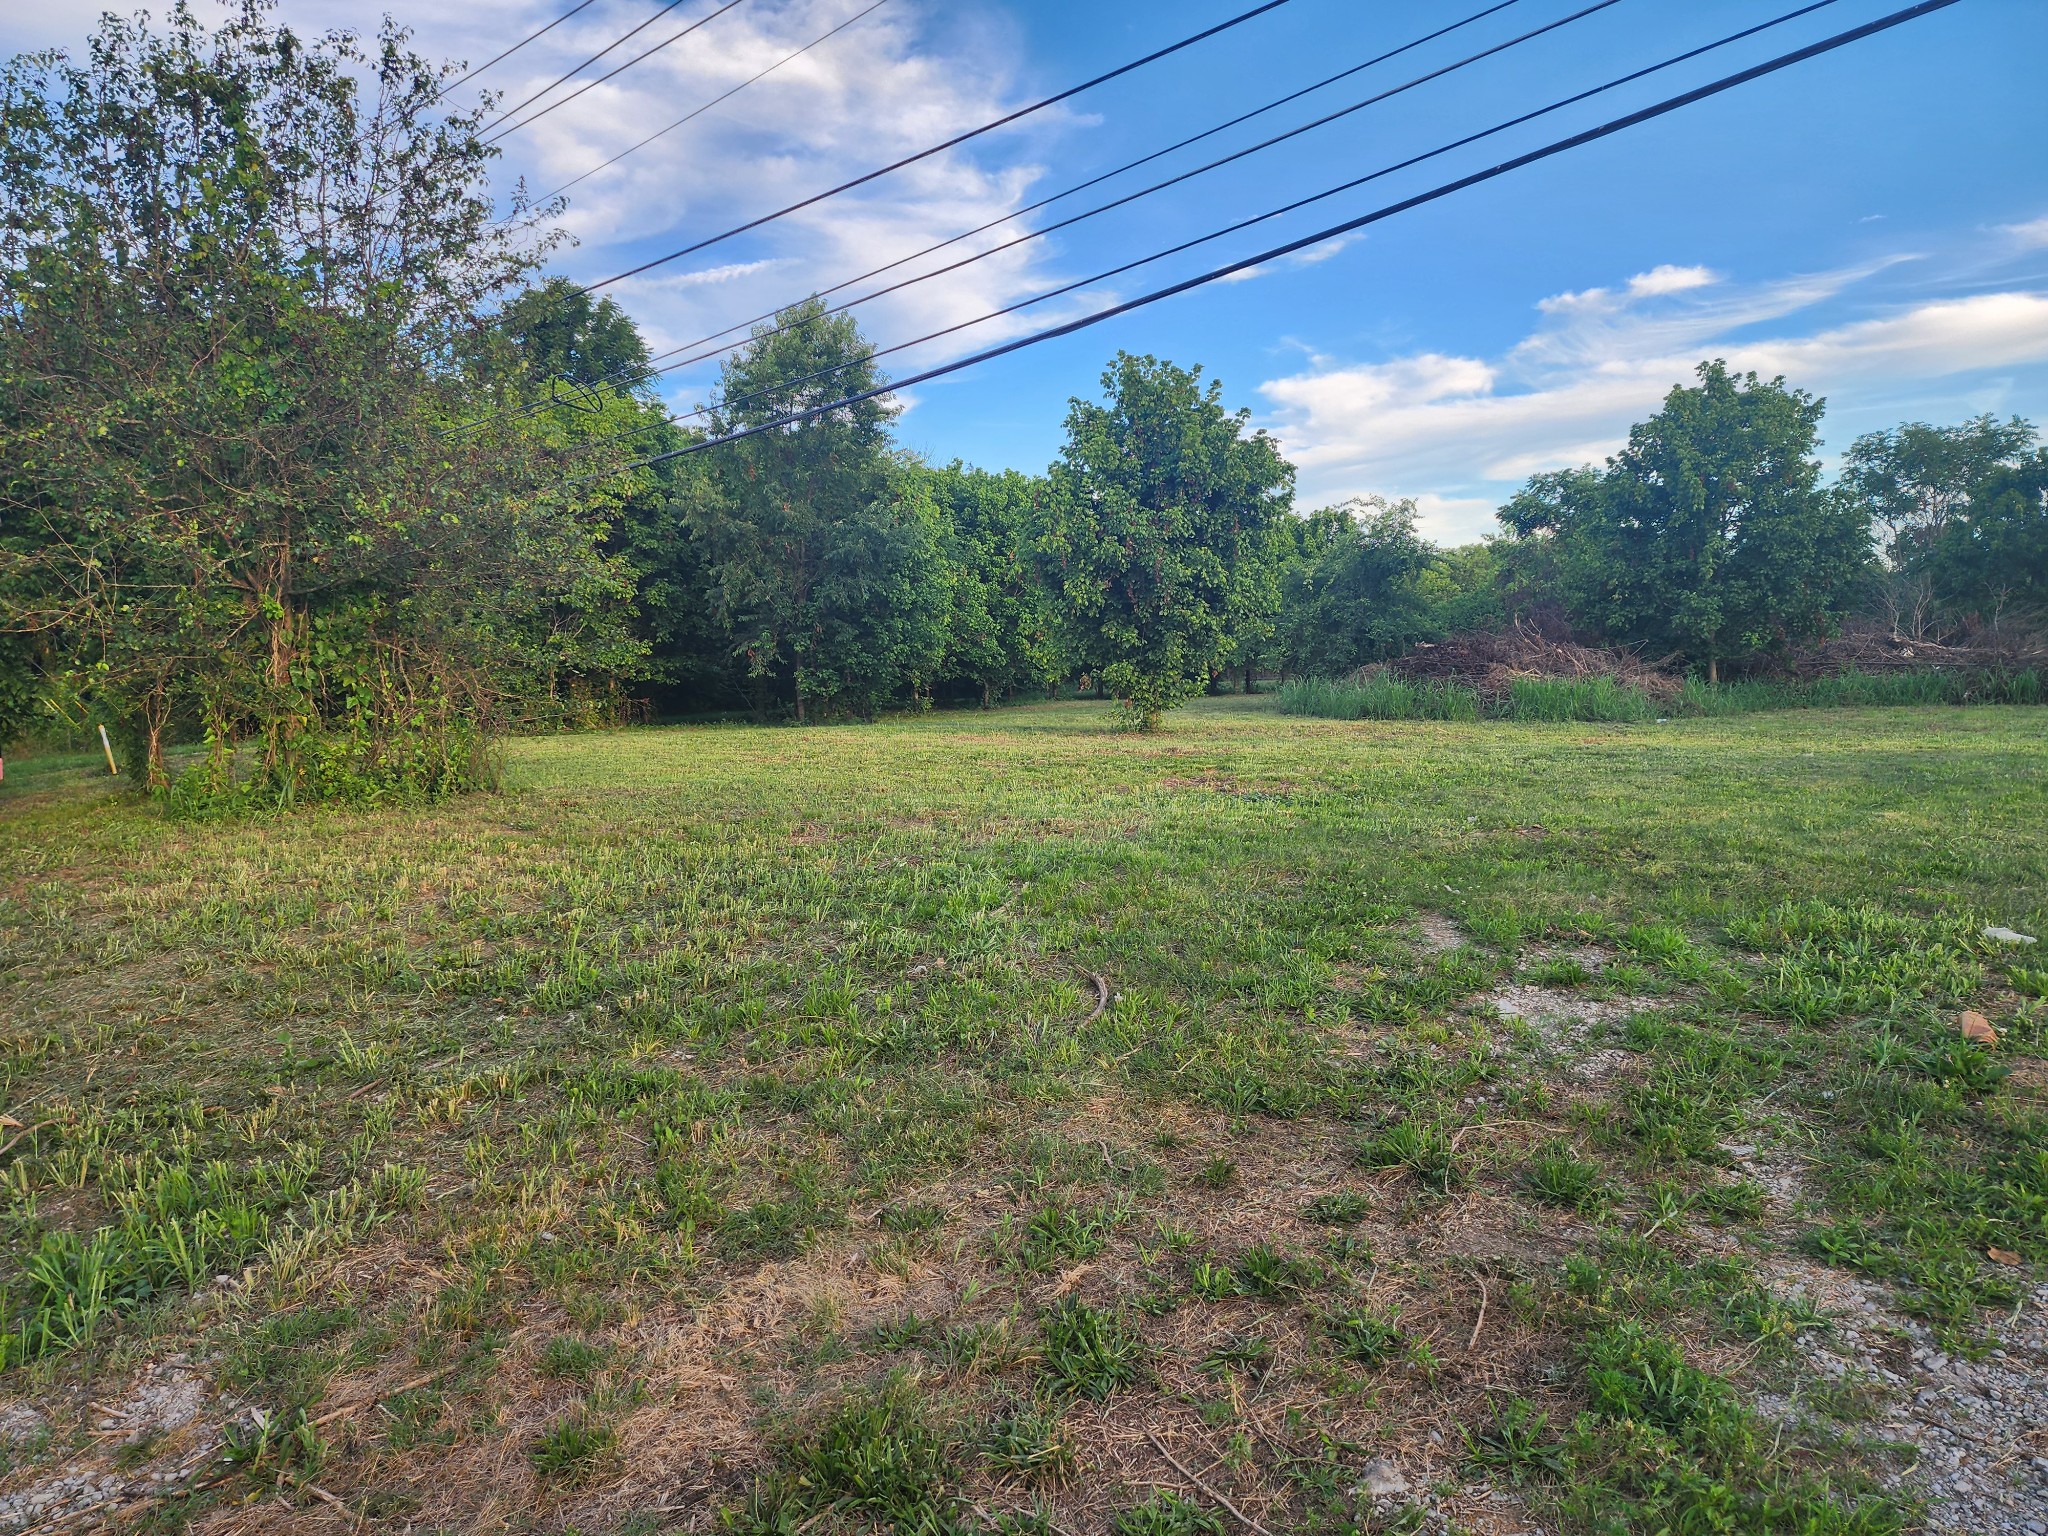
column 1245, row 1519
column 40, row 1125
column 1473, row 1342
column 1101, row 999
column 331, row 1501
column 378, row 1398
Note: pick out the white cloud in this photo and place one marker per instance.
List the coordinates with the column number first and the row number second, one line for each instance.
column 1467, row 429
column 1452, row 520
column 657, row 282
column 2032, row 235
column 1313, row 256
column 1670, row 279
column 893, row 82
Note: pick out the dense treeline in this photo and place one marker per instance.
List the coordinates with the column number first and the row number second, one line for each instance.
column 302, row 463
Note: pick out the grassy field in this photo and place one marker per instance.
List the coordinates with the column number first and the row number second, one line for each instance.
column 992, row 1121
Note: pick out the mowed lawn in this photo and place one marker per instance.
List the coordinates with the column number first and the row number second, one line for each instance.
column 998, row 1121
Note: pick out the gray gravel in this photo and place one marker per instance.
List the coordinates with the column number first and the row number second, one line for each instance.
column 1974, row 1432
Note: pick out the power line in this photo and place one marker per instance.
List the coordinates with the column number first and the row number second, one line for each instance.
column 714, row 101
column 1243, row 224
column 469, row 74
column 1128, row 165
column 624, row 377
column 591, row 85
column 957, row 139
column 1434, row 194
column 1160, row 186
column 572, row 74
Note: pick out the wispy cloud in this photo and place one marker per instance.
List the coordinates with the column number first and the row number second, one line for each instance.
column 902, row 78
column 2032, row 235
column 1464, row 430
column 1314, row 256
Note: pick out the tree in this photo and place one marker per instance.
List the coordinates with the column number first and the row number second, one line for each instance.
column 1356, row 595
column 242, row 282
column 1990, row 561
column 580, row 372
column 824, row 556
column 21, row 701
column 1461, row 590
column 1914, row 479
column 1708, row 536
column 1158, row 531
column 1916, row 482
column 563, row 333
column 999, row 632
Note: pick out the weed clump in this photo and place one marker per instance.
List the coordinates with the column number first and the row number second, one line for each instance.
column 877, row 1452
column 1557, row 1175
column 574, row 1448
column 1168, row 1514
column 1424, row 1149
column 1087, row 1352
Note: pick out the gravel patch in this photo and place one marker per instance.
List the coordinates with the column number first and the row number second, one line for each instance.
column 1974, row 1432
column 168, row 1398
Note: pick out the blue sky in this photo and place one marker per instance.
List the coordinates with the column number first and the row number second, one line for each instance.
column 1873, row 224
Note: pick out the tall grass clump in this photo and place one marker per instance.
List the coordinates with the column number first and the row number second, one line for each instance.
column 1853, row 689
column 1576, row 698
column 1379, row 698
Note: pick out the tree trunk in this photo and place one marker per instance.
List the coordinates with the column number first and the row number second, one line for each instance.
column 156, row 713
column 1713, row 669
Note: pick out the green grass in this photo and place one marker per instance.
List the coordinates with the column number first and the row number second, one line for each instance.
column 735, row 1098
column 1385, row 697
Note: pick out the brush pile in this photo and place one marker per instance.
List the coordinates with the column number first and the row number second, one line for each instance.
column 1872, row 649
column 1493, row 663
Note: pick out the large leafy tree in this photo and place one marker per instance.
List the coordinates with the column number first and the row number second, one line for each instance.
column 1989, row 562
column 578, row 371
column 999, row 631
column 1709, row 535
column 1914, row 479
column 824, row 556
column 1919, row 484
column 243, row 278
column 1159, row 532
column 1357, row 594
column 564, row 334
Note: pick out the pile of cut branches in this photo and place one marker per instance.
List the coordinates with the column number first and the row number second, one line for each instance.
column 1493, row 662
column 1875, row 649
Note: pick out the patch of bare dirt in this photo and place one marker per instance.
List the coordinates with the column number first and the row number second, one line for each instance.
column 1561, row 1015
column 147, row 1440
column 1438, row 935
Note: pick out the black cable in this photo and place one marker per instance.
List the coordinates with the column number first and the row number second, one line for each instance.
column 572, row 74
column 1128, row 165
column 957, row 139
column 1243, row 224
column 1171, row 181
column 591, row 85
column 629, row 377
column 1434, row 194
column 468, row 74
column 714, row 101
